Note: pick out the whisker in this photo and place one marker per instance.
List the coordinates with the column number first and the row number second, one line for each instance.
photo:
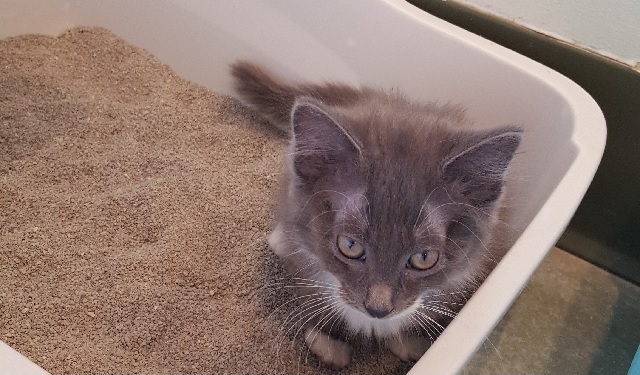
column 428, row 325
column 444, row 294
column 481, row 242
column 310, row 264
column 314, row 281
column 359, row 228
column 302, row 312
column 422, row 208
column 431, row 320
column 362, row 217
column 315, row 300
column 284, row 304
column 332, row 316
column 312, row 315
column 324, row 213
column 496, row 349
column 423, row 326
column 450, row 314
column 443, row 302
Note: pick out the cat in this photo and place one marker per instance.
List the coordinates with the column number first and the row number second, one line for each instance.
column 387, row 209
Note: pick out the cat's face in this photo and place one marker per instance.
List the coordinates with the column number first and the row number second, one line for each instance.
column 397, row 223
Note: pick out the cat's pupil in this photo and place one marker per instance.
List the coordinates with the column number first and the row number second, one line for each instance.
column 423, row 261
column 350, row 248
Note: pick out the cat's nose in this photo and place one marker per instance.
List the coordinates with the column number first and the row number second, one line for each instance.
column 377, row 312
column 379, row 301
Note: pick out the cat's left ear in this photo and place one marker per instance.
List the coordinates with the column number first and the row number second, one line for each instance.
column 479, row 166
column 322, row 149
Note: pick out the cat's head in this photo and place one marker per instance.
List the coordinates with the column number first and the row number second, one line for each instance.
column 397, row 213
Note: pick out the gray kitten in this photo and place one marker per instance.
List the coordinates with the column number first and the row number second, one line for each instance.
column 387, row 210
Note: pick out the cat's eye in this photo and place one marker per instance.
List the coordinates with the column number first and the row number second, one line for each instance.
column 424, row 260
column 350, row 248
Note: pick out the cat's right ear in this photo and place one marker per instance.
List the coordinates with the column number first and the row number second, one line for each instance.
column 322, row 149
column 478, row 164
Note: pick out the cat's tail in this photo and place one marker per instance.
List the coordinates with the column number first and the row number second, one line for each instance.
column 274, row 99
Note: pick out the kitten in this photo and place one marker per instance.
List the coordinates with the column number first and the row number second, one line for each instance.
column 387, row 210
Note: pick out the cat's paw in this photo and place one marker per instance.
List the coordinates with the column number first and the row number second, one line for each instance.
column 332, row 352
column 409, row 348
column 277, row 242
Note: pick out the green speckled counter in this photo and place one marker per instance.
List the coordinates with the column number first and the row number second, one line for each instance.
column 572, row 318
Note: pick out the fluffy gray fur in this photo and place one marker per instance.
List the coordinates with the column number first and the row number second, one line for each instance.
column 376, row 188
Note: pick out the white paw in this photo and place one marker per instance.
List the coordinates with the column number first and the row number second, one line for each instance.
column 409, row 348
column 277, row 242
column 334, row 353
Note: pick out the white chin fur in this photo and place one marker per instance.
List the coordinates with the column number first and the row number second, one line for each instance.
column 357, row 321
column 361, row 322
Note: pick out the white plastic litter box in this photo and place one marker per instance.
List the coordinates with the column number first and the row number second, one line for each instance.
column 386, row 43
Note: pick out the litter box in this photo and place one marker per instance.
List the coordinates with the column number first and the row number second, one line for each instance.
column 385, row 43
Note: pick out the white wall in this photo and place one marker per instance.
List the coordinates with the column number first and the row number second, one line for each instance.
column 609, row 27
